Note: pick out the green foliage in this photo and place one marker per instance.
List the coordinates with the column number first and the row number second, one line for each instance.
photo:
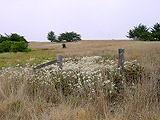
column 19, row 46
column 52, row 37
column 140, row 32
column 156, row 32
column 13, row 43
column 5, row 46
column 12, row 37
column 16, row 37
column 12, row 46
column 69, row 36
column 1, row 48
column 3, row 38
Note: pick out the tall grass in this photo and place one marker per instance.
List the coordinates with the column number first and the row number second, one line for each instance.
column 88, row 87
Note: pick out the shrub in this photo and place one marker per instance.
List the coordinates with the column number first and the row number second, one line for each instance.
column 18, row 46
column 13, row 43
column 133, row 73
column 3, row 38
column 63, row 45
column 1, row 48
column 5, row 46
column 16, row 37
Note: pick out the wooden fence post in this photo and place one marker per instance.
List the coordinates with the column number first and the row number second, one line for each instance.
column 121, row 59
column 59, row 61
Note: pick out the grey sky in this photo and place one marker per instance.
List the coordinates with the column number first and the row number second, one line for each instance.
column 93, row 19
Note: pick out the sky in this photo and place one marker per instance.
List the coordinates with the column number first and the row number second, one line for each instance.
column 92, row 19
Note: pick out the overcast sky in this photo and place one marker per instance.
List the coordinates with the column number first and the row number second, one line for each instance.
column 93, row 19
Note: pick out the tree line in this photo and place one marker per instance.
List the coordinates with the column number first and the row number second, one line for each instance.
column 17, row 43
column 67, row 36
column 144, row 33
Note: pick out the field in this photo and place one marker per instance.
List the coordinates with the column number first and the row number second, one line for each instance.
column 145, row 52
column 89, row 87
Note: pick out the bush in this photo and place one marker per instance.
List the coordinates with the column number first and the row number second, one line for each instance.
column 3, row 38
column 1, row 48
column 11, row 46
column 19, row 46
column 5, row 46
column 16, row 37
column 13, row 43
column 63, row 45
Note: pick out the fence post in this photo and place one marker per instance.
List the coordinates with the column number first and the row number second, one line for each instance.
column 59, row 61
column 121, row 59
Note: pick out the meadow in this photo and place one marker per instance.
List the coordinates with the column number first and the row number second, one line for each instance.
column 89, row 87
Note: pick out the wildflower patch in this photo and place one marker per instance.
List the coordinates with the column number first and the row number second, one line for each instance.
column 87, row 77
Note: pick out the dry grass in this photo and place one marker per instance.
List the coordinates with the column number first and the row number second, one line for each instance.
column 147, row 53
column 139, row 104
column 90, row 47
column 133, row 49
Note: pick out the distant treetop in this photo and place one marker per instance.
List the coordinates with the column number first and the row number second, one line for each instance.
column 69, row 36
column 142, row 32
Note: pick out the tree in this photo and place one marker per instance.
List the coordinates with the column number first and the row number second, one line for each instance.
column 51, row 36
column 69, row 36
column 156, row 32
column 140, row 32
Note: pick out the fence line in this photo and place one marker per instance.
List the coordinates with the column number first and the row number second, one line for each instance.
column 58, row 61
